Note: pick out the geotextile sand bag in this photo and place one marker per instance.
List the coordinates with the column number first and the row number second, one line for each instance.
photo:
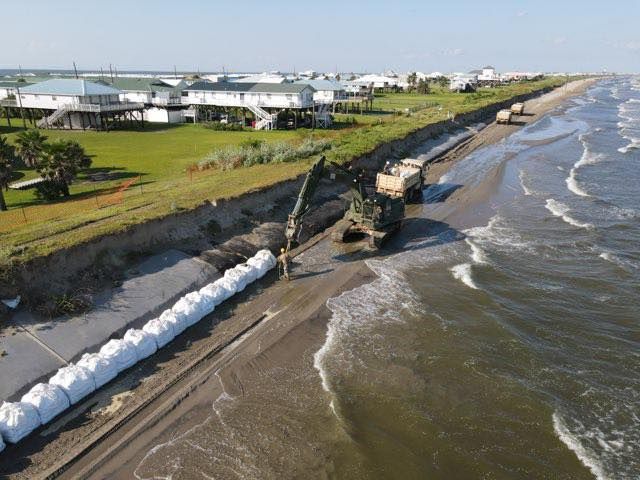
column 177, row 322
column 75, row 381
column 17, row 420
column 49, row 401
column 160, row 330
column 103, row 369
column 121, row 352
column 144, row 343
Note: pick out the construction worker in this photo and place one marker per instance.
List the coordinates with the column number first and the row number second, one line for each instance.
column 283, row 264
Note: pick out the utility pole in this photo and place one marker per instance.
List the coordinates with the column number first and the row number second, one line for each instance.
column 24, row 122
column 75, row 70
column 175, row 72
column 111, row 73
column 20, row 70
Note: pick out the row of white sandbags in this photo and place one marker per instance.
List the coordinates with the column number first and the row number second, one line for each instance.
column 72, row 383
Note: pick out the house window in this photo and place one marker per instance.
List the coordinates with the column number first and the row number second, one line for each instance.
column 289, row 96
column 184, row 94
column 268, row 96
column 53, row 97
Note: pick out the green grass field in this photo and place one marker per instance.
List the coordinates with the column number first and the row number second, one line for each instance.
column 160, row 154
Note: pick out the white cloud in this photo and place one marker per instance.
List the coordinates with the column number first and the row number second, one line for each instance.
column 521, row 13
column 560, row 40
column 452, row 52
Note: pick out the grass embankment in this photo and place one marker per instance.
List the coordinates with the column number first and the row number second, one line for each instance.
column 161, row 154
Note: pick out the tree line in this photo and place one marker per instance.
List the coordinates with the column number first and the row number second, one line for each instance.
column 57, row 162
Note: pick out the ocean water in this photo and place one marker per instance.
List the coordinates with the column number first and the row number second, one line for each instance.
column 501, row 341
column 514, row 353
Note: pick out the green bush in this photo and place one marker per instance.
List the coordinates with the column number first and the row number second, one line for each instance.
column 226, row 127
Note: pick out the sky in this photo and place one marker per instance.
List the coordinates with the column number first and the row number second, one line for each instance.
column 323, row 35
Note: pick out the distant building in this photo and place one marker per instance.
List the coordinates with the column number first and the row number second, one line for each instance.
column 163, row 102
column 75, row 103
column 326, row 91
column 262, row 78
column 464, row 82
column 264, row 100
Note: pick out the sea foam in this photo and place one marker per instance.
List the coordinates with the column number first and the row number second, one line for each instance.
column 559, row 209
column 462, row 272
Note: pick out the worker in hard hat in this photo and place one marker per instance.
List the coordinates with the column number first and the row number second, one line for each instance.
column 283, row 264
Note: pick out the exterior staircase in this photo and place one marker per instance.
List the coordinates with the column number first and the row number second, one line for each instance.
column 264, row 119
column 53, row 118
column 323, row 115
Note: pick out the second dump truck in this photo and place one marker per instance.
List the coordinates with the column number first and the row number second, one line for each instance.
column 517, row 108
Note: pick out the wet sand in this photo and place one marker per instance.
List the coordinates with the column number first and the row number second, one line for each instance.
column 275, row 325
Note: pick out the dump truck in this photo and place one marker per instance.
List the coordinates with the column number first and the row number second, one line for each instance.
column 404, row 179
column 504, row 116
column 517, row 108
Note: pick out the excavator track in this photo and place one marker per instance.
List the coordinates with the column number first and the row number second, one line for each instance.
column 340, row 230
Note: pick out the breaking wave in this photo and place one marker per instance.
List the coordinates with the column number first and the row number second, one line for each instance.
column 462, row 272
column 629, row 125
column 559, row 209
column 572, row 184
column 525, row 189
column 584, row 454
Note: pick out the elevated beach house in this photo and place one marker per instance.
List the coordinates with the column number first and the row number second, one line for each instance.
column 162, row 101
column 75, row 104
column 326, row 91
column 264, row 100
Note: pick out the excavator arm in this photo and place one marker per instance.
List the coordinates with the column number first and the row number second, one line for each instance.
column 304, row 201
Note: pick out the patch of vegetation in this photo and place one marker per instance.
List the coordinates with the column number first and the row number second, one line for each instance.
column 257, row 152
column 224, row 127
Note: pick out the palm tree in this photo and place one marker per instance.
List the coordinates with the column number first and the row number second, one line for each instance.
column 7, row 157
column 30, row 144
column 60, row 162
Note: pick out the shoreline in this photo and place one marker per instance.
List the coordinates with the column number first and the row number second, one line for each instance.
column 285, row 316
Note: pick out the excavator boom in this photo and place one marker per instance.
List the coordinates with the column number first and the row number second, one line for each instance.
column 304, row 201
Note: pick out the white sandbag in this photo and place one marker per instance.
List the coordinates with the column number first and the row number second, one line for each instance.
column 268, row 256
column 250, row 271
column 187, row 309
column 228, row 285
column 239, row 276
column 102, row 368
column 1, row 444
column 200, row 304
column 121, row 352
column 261, row 265
column 144, row 343
column 160, row 330
column 17, row 420
column 177, row 322
column 49, row 400
column 213, row 292
column 76, row 382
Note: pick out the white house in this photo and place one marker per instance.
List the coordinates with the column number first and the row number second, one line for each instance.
column 488, row 74
column 464, row 82
column 326, row 91
column 75, row 103
column 262, row 78
column 377, row 81
column 264, row 100
column 239, row 94
column 163, row 102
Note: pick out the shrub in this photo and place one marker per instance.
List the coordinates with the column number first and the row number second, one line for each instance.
column 226, row 127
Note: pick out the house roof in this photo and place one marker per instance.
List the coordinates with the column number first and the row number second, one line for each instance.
column 249, row 87
column 70, row 86
column 14, row 84
column 133, row 84
column 323, row 85
column 488, row 67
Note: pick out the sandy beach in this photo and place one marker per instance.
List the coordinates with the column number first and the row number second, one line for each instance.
column 253, row 350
